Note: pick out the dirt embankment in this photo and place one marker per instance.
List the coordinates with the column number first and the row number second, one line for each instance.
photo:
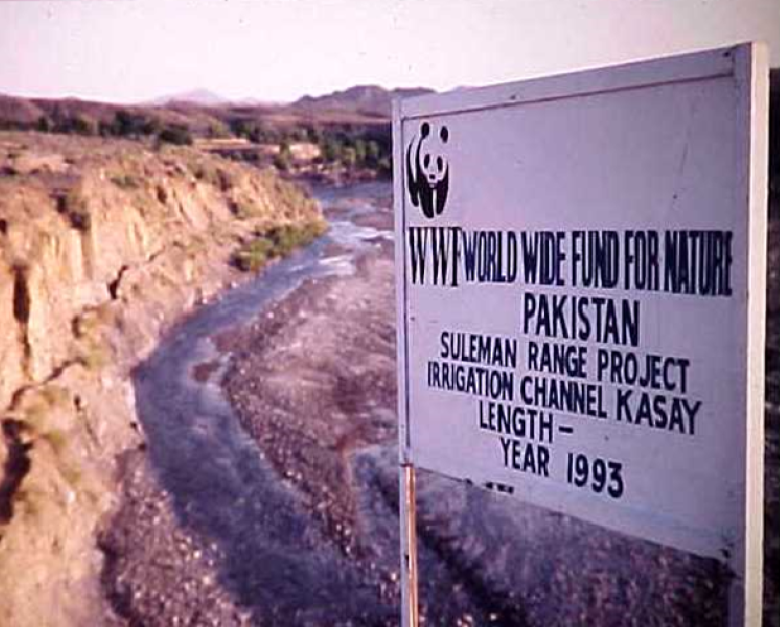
column 103, row 243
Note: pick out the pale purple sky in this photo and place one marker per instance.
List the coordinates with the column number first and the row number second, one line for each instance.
column 281, row 49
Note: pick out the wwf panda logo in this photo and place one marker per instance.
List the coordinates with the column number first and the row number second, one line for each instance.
column 428, row 170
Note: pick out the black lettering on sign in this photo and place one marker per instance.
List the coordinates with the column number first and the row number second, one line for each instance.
column 520, row 422
column 561, row 316
column 698, row 262
column 556, row 358
column 473, row 380
column 571, row 397
column 531, row 458
column 657, row 411
column 651, row 371
column 543, row 254
column 418, row 245
column 489, row 256
column 641, row 260
column 595, row 258
column 598, row 474
column 437, row 247
column 475, row 348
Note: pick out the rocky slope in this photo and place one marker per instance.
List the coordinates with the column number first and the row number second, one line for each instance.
column 103, row 244
column 371, row 100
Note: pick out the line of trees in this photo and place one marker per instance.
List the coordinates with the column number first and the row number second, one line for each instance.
column 352, row 146
column 125, row 124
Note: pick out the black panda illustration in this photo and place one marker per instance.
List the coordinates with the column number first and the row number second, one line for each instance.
column 428, row 171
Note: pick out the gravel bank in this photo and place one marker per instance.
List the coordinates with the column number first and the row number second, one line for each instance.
column 156, row 572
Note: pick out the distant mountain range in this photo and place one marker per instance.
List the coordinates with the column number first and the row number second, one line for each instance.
column 203, row 111
column 365, row 99
column 203, row 97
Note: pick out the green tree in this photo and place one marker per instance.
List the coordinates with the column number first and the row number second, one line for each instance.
column 128, row 124
column 176, row 134
column 361, row 151
column 372, row 152
column 283, row 158
column 151, row 126
column 123, row 123
column 83, row 125
column 217, row 130
column 384, row 166
column 43, row 124
column 332, row 149
column 349, row 157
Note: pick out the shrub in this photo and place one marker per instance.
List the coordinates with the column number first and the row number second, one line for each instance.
column 74, row 207
column 205, row 173
column 385, row 166
column 282, row 162
column 254, row 255
column 176, row 134
column 225, row 180
column 332, row 149
column 127, row 124
column 43, row 124
column 283, row 157
column 125, row 181
column 242, row 128
column 276, row 242
column 242, row 209
column 372, row 152
column 83, row 125
column 87, row 328
column 350, row 157
column 217, row 130
column 361, row 151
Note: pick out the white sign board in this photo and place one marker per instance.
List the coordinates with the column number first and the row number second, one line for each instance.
column 580, row 283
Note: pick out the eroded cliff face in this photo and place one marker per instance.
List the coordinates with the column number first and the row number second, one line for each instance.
column 103, row 244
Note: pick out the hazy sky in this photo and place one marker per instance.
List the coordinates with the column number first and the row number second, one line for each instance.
column 280, row 49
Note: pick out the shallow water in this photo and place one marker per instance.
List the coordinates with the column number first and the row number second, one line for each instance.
column 276, row 561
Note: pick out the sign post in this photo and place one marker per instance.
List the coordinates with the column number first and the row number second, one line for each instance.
column 408, row 504
column 580, row 293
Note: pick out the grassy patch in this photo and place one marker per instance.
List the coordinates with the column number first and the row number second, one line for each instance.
column 275, row 243
column 91, row 349
column 30, row 501
column 125, row 181
column 222, row 179
column 205, row 174
column 225, row 180
column 243, row 210
column 74, row 207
